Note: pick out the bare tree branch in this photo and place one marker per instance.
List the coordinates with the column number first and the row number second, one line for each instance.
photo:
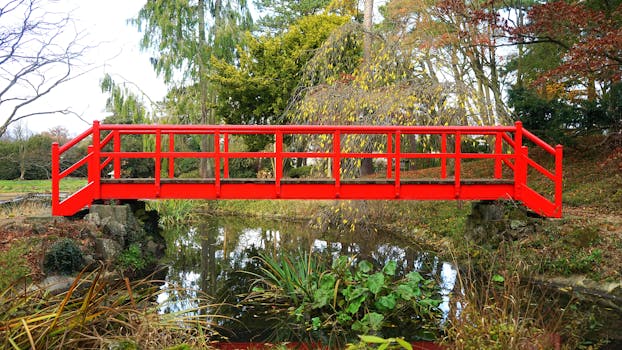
column 39, row 50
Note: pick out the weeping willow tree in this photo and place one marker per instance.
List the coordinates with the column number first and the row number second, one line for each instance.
column 184, row 36
column 392, row 87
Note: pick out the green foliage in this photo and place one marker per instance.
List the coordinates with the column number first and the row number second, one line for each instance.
column 336, row 301
column 281, row 14
column 9, row 166
column 13, row 264
column 64, row 257
column 552, row 118
column 173, row 212
column 133, row 258
column 581, row 262
column 301, row 171
column 127, row 108
column 374, row 342
column 258, row 88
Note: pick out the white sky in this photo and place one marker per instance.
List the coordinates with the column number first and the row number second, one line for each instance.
column 117, row 54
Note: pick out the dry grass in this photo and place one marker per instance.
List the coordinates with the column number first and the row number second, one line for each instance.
column 98, row 312
column 499, row 310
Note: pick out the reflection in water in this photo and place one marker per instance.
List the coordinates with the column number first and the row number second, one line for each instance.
column 215, row 256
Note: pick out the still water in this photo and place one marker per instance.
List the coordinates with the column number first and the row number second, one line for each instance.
column 216, row 257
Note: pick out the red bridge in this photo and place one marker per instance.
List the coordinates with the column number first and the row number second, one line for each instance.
column 502, row 149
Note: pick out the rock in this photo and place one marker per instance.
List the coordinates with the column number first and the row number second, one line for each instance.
column 155, row 249
column 44, row 220
column 493, row 222
column 107, row 249
column 56, row 284
column 115, row 230
column 89, row 262
column 93, row 218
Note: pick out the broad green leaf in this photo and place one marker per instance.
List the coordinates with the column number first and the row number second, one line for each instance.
column 365, row 266
column 375, row 282
column 403, row 343
column 355, row 305
column 405, row 292
column 372, row 339
column 387, row 302
column 498, row 278
column 414, row 277
column 374, row 320
column 389, row 268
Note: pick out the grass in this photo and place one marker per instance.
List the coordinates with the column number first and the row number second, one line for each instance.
column 499, row 310
column 39, row 186
column 96, row 313
column 14, row 264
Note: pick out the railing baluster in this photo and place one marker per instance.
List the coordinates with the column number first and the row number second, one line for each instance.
column 226, row 158
column 217, row 162
column 389, row 157
column 498, row 153
column 337, row 160
column 520, row 164
column 116, row 141
column 55, row 177
column 443, row 156
column 94, row 168
column 398, row 147
column 278, row 162
column 171, row 158
column 559, row 152
column 158, row 160
column 457, row 164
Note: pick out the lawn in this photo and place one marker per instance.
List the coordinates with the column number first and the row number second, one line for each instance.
column 39, row 186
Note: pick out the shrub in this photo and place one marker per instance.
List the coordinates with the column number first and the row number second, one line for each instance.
column 64, row 257
column 132, row 258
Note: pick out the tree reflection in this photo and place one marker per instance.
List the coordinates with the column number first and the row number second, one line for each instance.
column 216, row 256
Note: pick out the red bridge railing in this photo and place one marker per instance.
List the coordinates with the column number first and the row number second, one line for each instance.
column 505, row 147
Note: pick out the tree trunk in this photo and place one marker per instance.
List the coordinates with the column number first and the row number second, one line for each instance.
column 367, row 24
column 205, row 170
column 367, row 165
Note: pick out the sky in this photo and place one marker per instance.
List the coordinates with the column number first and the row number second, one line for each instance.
column 117, row 52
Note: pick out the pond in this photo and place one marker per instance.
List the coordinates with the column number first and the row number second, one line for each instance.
column 217, row 256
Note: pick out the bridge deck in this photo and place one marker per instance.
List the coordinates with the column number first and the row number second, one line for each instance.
column 317, row 181
column 293, row 188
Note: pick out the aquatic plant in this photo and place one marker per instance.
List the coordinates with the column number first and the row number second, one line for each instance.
column 313, row 300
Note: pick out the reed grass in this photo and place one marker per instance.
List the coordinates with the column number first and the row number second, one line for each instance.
column 98, row 312
column 501, row 309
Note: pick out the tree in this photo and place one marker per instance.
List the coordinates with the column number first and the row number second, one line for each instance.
column 589, row 32
column 258, row 89
column 183, row 46
column 128, row 108
column 280, row 14
column 38, row 52
column 577, row 62
column 458, row 41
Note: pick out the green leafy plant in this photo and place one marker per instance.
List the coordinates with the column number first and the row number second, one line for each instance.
column 64, row 257
column 374, row 342
column 133, row 258
column 173, row 211
column 337, row 301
